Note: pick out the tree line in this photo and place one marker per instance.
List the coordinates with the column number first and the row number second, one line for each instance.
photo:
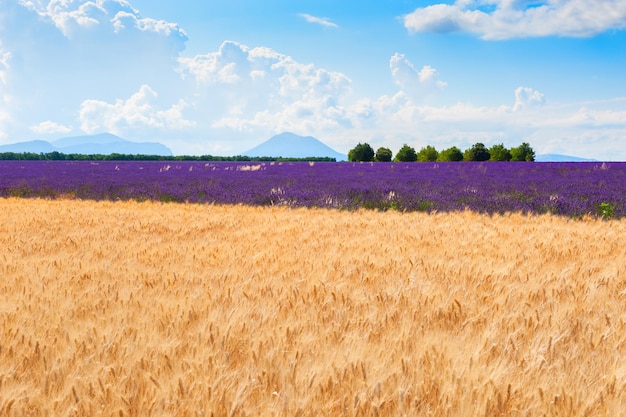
column 59, row 156
column 363, row 152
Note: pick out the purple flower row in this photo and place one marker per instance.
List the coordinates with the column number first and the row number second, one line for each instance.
column 571, row 189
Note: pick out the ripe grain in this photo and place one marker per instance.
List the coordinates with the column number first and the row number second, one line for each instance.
column 125, row 308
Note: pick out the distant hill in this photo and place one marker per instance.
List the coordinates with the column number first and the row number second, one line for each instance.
column 103, row 143
column 290, row 145
column 33, row 146
column 553, row 157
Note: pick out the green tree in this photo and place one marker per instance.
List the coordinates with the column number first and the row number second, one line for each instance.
column 406, row 154
column 362, row 152
column 478, row 152
column 452, row 154
column 499, row 153
column 383, row 155
column 427, row 154
column 523, row 153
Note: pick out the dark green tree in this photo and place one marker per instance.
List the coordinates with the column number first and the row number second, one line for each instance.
column 383, row 155
column 427, row 154
column 452, row 154
column 362, row 152
column 499, row 153
column 523, row 153
column 406, row 154
column 478, row 152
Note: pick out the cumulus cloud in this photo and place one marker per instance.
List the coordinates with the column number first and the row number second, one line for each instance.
column 235, row 63
column 526, row 97
column 239, row 93
column 261, row 88
column 56, row 53
column 124, row 20
column 259, row 91
column 67, row 14
column 72, row 16
column 505, row 19
column 228, row 65
column 5, row 98
column 49, row 127
column 582, row 129
column 323, row 21
column 303, row 117
column 137, row 112
column 5, row 56
column 417, row 83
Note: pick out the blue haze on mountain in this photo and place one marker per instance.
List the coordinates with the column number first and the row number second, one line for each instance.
column 33, row 146
column 103, row 143
column 290, row 145
column 287, row 145
column 553, row 157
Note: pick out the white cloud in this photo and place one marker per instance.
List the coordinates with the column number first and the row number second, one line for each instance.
column 259, row 88
column 227, row 66
column 136, row 112
column 505, row 19
column 236, row 96
column 323, row 21
column 5, row 57
column 49, row 127
column 54, row 54
column 235, row 63
column 123, row 20
column 69, row 15
column 5, row 98
column 72, row 16
column 261, row 92
column 583, row 129
column 526, row 97
column 417, row 83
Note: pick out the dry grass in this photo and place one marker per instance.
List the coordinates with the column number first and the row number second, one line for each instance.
column 145, row 309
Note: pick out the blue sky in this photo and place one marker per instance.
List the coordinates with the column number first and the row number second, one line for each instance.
column 217, row 77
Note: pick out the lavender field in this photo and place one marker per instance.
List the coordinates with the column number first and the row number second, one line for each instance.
column 569, row 189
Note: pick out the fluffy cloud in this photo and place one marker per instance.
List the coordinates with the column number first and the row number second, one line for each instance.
column 261, row 91
column 136, row 112
column 50, row 127
column 323, row 21
column 504, row 19
column 526, row 97
column 417, row 83
column 227, row 100
column 56, row 53
column 261, row 88
column 67, row 15
column 4, row 65
column 71, row 16
column 124, row 19
column 5, row 98
column 584, row 129
column 235, row 63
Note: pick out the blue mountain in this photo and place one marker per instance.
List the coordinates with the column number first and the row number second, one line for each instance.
column 553, row 157
column 32, row 146
column 290, row 145
column 103, row 143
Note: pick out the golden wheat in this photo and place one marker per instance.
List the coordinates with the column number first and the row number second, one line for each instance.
column 147, row 309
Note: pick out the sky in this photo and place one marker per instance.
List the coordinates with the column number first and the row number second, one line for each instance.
column 216, row 77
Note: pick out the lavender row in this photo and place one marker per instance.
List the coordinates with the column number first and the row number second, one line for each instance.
column 570, row 189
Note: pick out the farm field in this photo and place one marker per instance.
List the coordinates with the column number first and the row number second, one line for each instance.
column 569, row 189
column 150, row 309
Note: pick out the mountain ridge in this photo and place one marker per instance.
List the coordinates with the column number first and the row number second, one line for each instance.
column 554, row 157
column 102, row 143
column 291, row 145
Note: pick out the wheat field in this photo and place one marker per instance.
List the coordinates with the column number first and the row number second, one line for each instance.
column 149, row 309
